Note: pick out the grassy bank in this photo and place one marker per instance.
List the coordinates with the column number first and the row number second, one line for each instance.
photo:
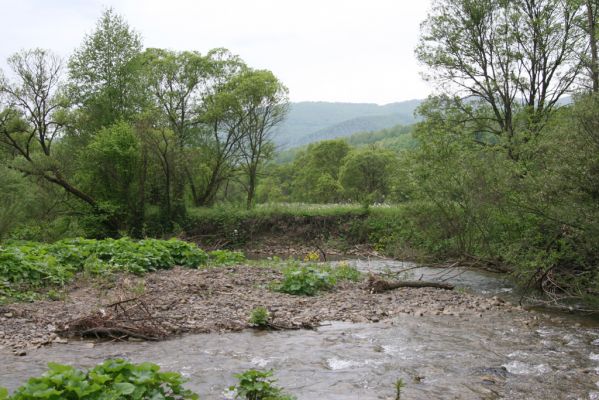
column 417, row 231
column 386, row 228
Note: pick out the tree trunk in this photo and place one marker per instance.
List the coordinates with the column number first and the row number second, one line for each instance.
column 378, row 285
column 251, row 187
column 593, row 45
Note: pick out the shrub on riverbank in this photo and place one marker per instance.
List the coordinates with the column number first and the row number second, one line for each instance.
column 258, row 385
column 309, row 279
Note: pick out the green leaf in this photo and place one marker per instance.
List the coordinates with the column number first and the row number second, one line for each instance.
column 124, row 388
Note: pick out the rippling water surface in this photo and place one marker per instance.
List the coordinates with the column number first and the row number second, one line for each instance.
column 439, row 357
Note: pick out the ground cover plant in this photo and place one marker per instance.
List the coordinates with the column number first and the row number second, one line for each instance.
column 258, row 385
column 26, row 267
column 112, row 380
column 118, row 379
column 259, row 317
column 308, row 279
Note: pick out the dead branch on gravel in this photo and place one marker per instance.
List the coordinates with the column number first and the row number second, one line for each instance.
column 130, row 318
column 378, row 285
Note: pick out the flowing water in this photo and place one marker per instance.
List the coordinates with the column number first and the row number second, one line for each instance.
column 439, row 357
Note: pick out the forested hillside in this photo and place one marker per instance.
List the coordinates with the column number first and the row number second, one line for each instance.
column 309, row 122
column 397, row 138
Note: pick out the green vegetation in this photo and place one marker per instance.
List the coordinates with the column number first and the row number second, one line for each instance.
column 258, row 385
column 27, row 267
column 113, row 379
column 500, row 168
column 121, row 380
column 399, row 384
column 309, row 279
column 127, row 138
column 259, row 317
column 396, row 138
column 226, row 257
column 331, row 172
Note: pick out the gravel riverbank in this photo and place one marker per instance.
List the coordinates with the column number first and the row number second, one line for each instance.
column 221, row 299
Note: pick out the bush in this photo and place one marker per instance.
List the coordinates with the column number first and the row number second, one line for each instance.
column 258, row 385
column 305, row 280
column 226, row 257
column 345, row 272
column 259, row 317
column 113, row 379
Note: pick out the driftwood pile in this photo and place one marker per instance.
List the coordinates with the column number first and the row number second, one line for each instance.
column 378, row 285
column 130, row 318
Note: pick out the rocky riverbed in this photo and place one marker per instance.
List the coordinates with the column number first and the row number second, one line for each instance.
column 221, row 300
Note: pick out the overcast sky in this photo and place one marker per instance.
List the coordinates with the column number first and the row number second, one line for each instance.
column 323, row 50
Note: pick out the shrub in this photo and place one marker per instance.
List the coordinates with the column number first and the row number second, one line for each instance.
column 113, row 379
column 226, row 257
column 259, row 317
column 305, row 280
column 345, row 272
column 258, row 385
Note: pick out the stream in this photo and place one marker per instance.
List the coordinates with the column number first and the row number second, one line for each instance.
column 496, row 356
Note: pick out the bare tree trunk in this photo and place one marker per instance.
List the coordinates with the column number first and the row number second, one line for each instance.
column 251, row 187
column 591, row 18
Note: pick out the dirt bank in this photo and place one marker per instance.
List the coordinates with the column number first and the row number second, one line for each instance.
column 221, row 299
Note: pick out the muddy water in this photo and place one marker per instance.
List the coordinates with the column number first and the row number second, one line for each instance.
column 439, row 357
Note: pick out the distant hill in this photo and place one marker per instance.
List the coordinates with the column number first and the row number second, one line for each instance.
column 309, row 122
column 397, row 138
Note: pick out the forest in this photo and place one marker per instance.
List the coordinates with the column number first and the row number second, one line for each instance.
column 121, row 140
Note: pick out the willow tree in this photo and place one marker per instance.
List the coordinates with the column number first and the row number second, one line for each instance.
column 590, row 57
column 104, row 77
column 515, row 57
column 262, row 104
column 33, row 119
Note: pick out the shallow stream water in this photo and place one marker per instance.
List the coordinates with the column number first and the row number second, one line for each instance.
column 497, row 356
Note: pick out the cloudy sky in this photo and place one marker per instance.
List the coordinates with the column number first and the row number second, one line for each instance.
column 323, row 50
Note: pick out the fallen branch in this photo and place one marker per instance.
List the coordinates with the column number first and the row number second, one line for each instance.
column 118, row 322
column 117, row 333
column 377, row 285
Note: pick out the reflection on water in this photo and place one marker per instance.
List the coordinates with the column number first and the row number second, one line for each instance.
column 439, row 357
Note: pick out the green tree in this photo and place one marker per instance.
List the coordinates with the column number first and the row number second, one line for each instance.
column 366, row 174
column 512, row 56
column 319, row 162
column 262, row 105
column 219, row 134
column 33, row 117
column 105, row 74
column 111, row 169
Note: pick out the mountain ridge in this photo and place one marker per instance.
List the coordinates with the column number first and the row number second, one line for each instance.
column 311, row 121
